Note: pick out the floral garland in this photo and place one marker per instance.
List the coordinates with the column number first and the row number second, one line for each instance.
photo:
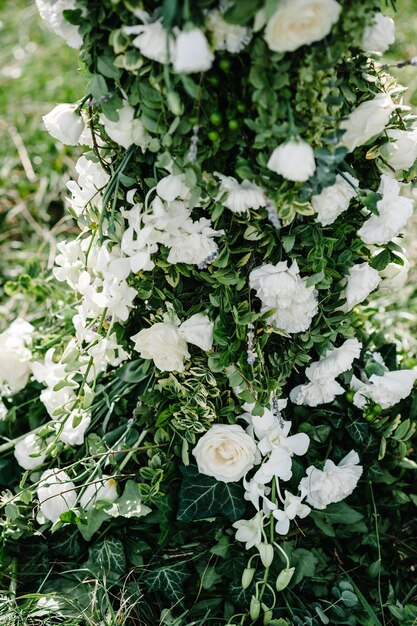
column 243, row 191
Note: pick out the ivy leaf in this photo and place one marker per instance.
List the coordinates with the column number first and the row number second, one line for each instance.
column 202, row 496
column 107, row 558
column 129, row 504
column 168, row 580
column 359, row 431
column 338, row 513
column 305, row 563
column 94, row 520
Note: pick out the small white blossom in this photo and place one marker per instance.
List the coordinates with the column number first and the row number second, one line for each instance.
column 385, row 390
column 361, row 281
column 294, row 160
column 293, row 507
column 250, row 531
column 192, row 52
column 366, row 121
column 29, row 452
column 240, row 197
column 127, row 130
column 56, row 493
column 104, row 489
column 335, row 199
column 379, row 35
column 64, row 124
column 15, row 356
column 52, row 11
column 152, row 40
column 230, row 37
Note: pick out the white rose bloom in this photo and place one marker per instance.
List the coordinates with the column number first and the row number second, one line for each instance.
column 293, row 507
column 240, row 197
column 333, row 483
column 198, row 330
column 15, row 366
column 361, row 281
column 298, row 23
column 401, row 151
column 191, row 248
column 172, row 187
column 393, row 213
column 74, row 436
column 379, row 35
column 249, row 531
column 127, row 130
column 52, row 11
column 64, row 124
column 105, row 489
column 192, row 52
column 230, row 37
column 323, row 387
column 25, row 448
column 335, row 199
column 225, row 452
column 162, row 343
column 281, row 287
column 366, row 121
column 152, row 41
column 294, row 160
column 56, row 493
column 385, row 390
column 394, row 276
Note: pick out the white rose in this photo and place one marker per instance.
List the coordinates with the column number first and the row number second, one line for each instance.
column 64, row 124
column 379, row 34
column 52, row 11
column 393, row 213
column 385, row 390
column 366, row 121
column 192, row 52
column 152, row 40
column 191, row 248
column 25, row 448
column 15, row 366
column 162, row 343
column 394, row 276
column 105, row 489
column 127, row 130
column 74, row 436
column 225, row 452
column 198, row 330
column 333, row 483
column 56, row 493
column 230, row 37
column 294, row 160
column 335, row 199
column 172, row 187
column 300, row 22
column 361, row 281
column 401, row 151
column 240, row 197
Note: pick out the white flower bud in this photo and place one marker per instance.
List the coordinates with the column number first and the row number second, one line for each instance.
column 284, row 578
column 64, row 124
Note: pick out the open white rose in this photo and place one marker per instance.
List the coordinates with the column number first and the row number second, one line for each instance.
column 163, row 344
column 379, row 35
column 152, row 41
column 15, row 366
column 225, row 452
column 105, row 489
column 300, row 22
column 294, row 160
column 64, row 124
column 192, row 52
column 401, row 150
column 333, row 483
column 127, row 130
column 56, row 493
column 361, row 281
column 335, row 199
column 25, row 448
column 366, row 121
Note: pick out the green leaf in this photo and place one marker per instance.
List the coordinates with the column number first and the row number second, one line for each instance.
column 338, row 513
column 242, row 11
column 107, row 558
column 168, row 580
column 97, row 87
column 94, row 520
column 134, row 371
column 359, row 431
column 381, row 260
column 106, row 67
column 305, row 563
column 129, row 504
column 201, row 496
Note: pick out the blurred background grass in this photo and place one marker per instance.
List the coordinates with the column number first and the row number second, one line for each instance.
column 37, row 71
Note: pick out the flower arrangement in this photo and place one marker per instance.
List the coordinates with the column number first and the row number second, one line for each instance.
column 200, row 422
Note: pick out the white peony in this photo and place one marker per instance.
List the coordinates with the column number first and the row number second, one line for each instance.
column 401, row 150
column 104, row 489
column 300, row 22
column 52, row 11
column 127, row 130
column 192, row 52
column 56, row 494
column 379, row 35
column 393, row 213
column 225, row 452
column 249, row 531
column 333, row 483
column 25, row 448
column 281, row 288
column 15, row 367
column 162, row 343
column 240, row 197
column 361, row 281
column 385, row 390
column 74, row 435
column 294, row 160
column 64, row 124
column 198, row 330
column 230, row 37
column 152, row 41
column 335, row 199
column 366, row 121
